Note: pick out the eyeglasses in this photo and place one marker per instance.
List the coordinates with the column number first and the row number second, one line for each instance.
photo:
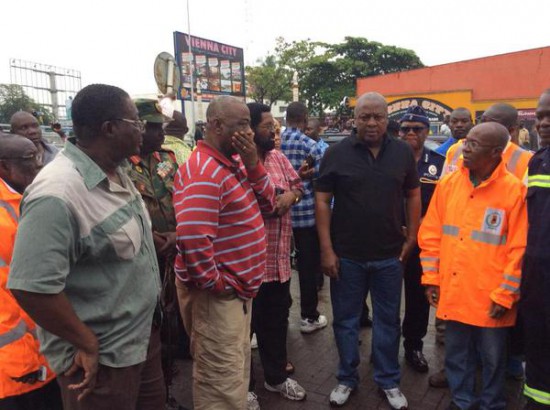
column 138, row 124
column 416, row 130
column 473, row 144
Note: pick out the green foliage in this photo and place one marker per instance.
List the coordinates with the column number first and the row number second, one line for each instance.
column 269, row 82
column 13, row 98
column 328, row 72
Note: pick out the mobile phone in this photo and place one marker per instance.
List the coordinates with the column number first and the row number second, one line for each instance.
column 310, row 160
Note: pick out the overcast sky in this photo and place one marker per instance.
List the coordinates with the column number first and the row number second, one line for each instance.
column 116, row 41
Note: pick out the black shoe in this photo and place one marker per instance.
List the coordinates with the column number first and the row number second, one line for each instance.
column 417, row 361
column 453, row 406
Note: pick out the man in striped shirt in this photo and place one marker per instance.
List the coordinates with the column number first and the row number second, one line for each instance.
column 301, row 151
column 219, row 199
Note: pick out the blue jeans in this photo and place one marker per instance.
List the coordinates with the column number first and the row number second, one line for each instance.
column 462, row 345
column 347, row 293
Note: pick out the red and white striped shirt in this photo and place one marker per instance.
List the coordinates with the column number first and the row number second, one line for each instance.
column 221, row 238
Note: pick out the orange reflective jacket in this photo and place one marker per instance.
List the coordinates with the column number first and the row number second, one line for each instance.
column 472, row 242
column 515, row 158
column 18, row 344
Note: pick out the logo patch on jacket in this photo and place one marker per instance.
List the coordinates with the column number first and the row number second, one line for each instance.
column 492, row 221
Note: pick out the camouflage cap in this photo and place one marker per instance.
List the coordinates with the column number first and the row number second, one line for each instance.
column 149, row 110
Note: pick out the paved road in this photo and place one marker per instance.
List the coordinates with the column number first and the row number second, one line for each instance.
column 316, row 359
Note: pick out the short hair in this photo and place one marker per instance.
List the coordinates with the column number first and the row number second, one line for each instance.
column 507, row 113
column 95, row 104
column 296, row 111
column 256, row 111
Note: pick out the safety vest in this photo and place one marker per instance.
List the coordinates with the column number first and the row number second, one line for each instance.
column 515, row 158
column 19, row 347
column 472, row 241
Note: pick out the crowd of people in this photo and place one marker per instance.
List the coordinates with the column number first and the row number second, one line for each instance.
column 128, row 249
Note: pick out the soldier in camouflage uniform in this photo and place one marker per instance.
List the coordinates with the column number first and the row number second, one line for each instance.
column 152, row 173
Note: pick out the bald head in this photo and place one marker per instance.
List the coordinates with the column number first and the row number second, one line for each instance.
column 502, row 113
column 370, row 97
column 18, row 161
column 220, row 107
column 25, row 124
column 492, row 133
column 14, row 146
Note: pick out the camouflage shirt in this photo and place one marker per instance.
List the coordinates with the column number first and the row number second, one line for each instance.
column 153, row 176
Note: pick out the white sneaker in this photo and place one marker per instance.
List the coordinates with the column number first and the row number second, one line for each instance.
column 340, row 395
column 396, row 399
column 289, row 389
column 252, row 401
column 253, row 342
column 310, row 325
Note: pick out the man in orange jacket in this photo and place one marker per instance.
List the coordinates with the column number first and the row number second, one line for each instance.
column 472, row 241
column 26, row 381
column 515, row 157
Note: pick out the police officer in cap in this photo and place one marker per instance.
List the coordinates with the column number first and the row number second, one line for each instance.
column 414, row 128
column 152, row 173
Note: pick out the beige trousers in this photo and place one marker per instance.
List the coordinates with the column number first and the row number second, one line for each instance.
column 219, row 331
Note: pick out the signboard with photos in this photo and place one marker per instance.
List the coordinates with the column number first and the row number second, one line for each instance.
column 217, row 68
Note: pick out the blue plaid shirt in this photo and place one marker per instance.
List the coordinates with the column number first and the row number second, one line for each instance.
column 297, row 146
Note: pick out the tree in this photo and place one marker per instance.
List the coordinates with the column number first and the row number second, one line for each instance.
column 269, row 82
column 328, row 72
column 13, row 98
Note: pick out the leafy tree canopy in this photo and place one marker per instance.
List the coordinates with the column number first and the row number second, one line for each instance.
column 13, row 98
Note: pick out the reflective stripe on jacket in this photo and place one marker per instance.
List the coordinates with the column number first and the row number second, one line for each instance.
column 19, row 348
column 515, row 158
column 472, row 242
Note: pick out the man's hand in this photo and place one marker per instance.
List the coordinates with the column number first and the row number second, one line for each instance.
column 305, row 172
column 246, row 148
column 497, row 311
column 89, row 363
column 406, row 250
column 284, row 202
column 432, row 293
column 330, row 264
column 167, row 242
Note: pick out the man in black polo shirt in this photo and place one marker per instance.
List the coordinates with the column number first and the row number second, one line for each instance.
column 370, row 176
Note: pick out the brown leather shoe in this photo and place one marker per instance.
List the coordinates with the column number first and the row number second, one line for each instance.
column 439, row 380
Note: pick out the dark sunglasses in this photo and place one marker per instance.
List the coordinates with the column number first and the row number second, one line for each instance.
column 416, row 130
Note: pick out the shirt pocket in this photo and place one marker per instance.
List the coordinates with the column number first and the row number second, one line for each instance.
column 126, row 240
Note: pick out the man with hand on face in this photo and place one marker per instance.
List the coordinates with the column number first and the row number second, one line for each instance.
column 84, row 264
column 414, row 129
column 152, row 172
column 25, row 124
column 26, row 381
column 271, row 305
column 219, row 199
column 460, row 124
column 374, row 182
column 472, row 241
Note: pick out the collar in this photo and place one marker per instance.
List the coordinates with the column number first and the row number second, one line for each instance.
column 425, row 157
column 9, row 188
column 355, row 141
column 203, row 147
column 499, row 171
column 91, row 173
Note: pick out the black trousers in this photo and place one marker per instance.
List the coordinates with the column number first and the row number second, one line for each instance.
column 534, row 310
column 417, row 308
column 309, row 265
column 270, row 323
column 48, row 397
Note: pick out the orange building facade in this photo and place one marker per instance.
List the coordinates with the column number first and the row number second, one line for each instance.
column 516, row 78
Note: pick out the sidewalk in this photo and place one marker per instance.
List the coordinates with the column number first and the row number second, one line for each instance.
column 316, row 361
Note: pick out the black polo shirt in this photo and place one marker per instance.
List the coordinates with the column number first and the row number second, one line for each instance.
column 368, row 196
